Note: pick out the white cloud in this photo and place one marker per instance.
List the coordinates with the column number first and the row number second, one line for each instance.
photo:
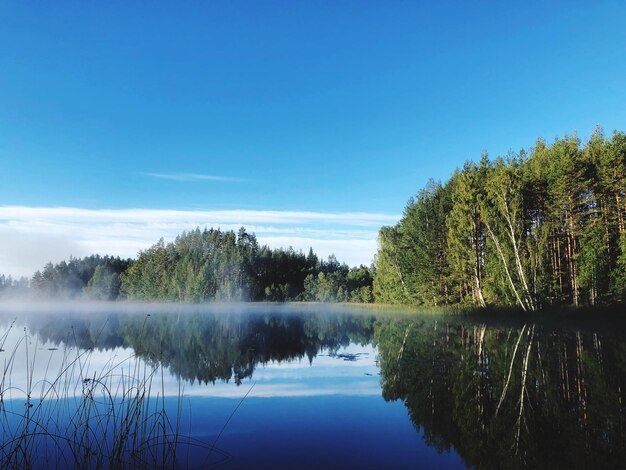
column 170, row 215
column 194, row 177
column 32, row 236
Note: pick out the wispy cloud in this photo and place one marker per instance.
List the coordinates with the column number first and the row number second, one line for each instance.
column 236, row 216
column 74, row 231
column 194, row 177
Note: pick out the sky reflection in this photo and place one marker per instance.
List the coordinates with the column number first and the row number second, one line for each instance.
column 350, row 370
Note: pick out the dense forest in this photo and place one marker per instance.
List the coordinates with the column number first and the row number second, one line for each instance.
column 95, row 277
column 201, row 265
column 213, row 265
column 531, row 230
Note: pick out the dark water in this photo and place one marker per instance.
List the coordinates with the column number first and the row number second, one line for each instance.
column 308, row 387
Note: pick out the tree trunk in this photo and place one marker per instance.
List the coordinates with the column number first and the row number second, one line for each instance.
column 506, row 266
column 510, row 219
column 620, row 214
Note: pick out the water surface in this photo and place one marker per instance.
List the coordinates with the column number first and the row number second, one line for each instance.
column 307, row 387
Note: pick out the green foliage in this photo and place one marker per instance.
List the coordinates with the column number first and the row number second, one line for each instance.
column 104, row 284
column 199, row 266
column 95, row 276
column 338, row 283
column 526, row 230
column 214, row 265
column 412, row 265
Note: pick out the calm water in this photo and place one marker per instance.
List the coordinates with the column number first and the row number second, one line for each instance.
column 307, row 387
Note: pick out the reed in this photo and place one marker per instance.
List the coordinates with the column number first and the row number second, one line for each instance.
column 83, row 415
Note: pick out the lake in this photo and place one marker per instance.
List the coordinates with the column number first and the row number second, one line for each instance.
column 307, row 386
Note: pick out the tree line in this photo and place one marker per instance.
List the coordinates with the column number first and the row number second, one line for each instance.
column 9, row 284
column 202, row 265
column 531, row 230
column 95, row 277
column 210, row 264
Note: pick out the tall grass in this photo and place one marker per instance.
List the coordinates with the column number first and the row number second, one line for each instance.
column 82, row 416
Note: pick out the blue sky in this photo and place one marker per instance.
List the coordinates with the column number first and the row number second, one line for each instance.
column 320, row 107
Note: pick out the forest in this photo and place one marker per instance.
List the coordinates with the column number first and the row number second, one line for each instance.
column 210, row 264
column 199, row 266
column 530, row 230
column 527, row 230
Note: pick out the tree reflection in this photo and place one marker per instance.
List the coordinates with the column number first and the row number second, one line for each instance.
column 210, row 347
column 522, row 396
column 503, row 396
